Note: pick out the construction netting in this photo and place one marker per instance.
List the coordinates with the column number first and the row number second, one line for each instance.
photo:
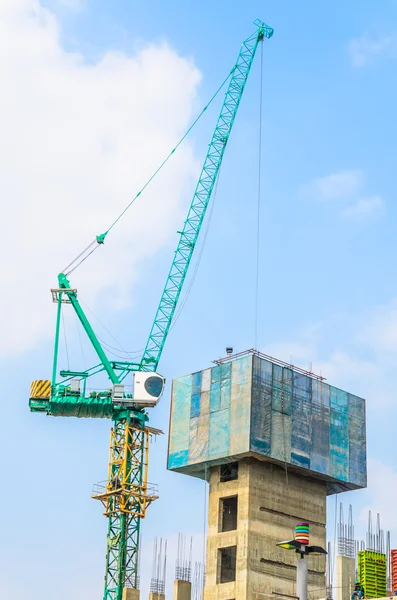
column 252, row 405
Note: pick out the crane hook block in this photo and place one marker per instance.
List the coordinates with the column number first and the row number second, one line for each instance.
column 101, row 238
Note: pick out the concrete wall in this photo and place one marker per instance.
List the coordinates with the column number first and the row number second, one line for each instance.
column 345, row 577
column 269, row 505
column 239, row 537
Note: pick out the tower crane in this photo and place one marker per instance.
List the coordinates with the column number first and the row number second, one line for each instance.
column 126, row 494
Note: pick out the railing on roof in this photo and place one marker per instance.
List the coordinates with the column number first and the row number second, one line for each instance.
column 271, row 359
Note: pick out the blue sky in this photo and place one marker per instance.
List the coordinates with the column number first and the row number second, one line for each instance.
column 327, row 286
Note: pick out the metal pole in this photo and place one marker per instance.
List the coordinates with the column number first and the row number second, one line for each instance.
column 56, row 343
column 301, row 578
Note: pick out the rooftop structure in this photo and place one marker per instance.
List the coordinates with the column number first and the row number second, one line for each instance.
column 252, row 405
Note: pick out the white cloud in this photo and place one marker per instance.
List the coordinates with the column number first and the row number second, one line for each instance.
column 341, row 367
column 344, row 187
column 78, row 141
column 363, row 208
column 380, row 329
column 290, row 352
column 335, row 186
column 365, row 49
column 361, row 377
column 74, row 4
column 299, row 353
column 366, row 368
column 369, row 378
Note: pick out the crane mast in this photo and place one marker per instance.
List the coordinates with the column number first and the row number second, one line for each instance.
column 126, row 494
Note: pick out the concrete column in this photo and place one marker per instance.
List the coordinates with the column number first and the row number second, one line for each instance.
column 268, row 507
column 156, row 596
column 345, row 577
column 182, row 590
column 130, row 594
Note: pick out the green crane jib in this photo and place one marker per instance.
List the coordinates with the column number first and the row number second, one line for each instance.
column 127, row 494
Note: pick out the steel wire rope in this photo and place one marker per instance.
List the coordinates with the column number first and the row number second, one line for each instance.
column 258, row 213
column 65, row 340
column 120, row 353
column 83, row 259
column 81, row 343
column 172, row 151
column 78, row 256
column 131, row 354
column 136, row 353
column 127, row 353
column 115, row 354
column 189, row 288
column 258, row 230
column 99, row 240
column 196, row 267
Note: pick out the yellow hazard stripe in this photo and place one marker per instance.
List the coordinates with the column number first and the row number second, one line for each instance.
column 41, row 388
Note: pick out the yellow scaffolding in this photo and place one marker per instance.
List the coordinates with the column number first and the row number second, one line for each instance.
column 127, row 490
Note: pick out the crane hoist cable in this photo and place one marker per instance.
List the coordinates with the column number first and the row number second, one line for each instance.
column 120, row 349
column 65, row 339
column 80, row 342
column 134, row 354
column 100, row 239
column 121, row 352
column 258, row 215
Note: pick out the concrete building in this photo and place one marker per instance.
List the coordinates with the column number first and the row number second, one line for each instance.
column 272, row 441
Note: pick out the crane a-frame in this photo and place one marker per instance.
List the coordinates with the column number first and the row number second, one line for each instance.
column 127, row 494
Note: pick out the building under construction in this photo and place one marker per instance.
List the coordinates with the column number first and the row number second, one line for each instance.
column 273, row 441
